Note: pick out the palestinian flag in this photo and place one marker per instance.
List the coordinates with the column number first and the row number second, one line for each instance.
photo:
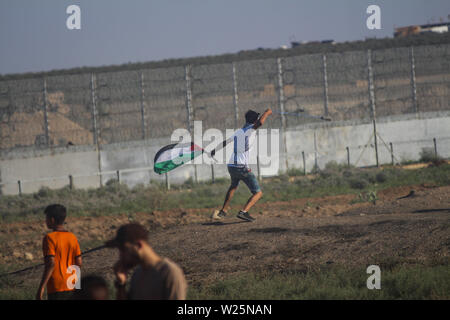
column 175, row 155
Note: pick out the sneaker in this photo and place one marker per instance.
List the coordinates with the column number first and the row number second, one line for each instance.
column 219, row 214
column 222, row 214
column 245, row 216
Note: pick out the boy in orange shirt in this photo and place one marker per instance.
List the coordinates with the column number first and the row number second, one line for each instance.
column 61, row 252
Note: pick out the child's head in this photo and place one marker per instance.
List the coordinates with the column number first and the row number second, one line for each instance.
column 55, row 215
column 251, row 116
column 92, row 288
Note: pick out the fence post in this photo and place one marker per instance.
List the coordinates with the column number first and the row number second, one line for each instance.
column 281, row 105
column 392, row 152
column 281, row 92
column 304, row 163
column 212, row 173
column 325, row 84
column 70, row 182
column 144, row 123
column 413, row 79
column 94, row 111
column 372, row 101
column 235, row 97
column 188, row 98
column 435, row 148
column 189, row 109
column 258, row 168
column 20, row 187
column 348, row 156
column 46, row 128
column 167, row 181
column 371, row 84
column 376, row 141
column 316, row 164
column 95, row 128
column 118, row 176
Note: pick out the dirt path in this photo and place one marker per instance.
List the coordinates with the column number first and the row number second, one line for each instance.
column 295, row 235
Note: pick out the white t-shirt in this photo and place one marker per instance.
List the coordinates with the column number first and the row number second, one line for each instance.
column 242, row 142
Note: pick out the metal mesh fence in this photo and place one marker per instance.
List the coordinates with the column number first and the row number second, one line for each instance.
column 348, row 93
column 392, row 81
column 257, row 87
column 111, row 107
column 303, row 88
column 118, row 106
column 69, row 110
column 212, row 96
column 164, row 102
column 22, row 114
column 432, row 72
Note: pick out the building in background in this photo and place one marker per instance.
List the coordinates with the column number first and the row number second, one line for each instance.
column 410, row 30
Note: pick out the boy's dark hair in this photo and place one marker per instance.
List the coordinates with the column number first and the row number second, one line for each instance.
column 57, row 212
column 88, row 285
column 251, row 116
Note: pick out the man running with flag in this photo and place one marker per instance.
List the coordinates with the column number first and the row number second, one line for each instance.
column 238, row 166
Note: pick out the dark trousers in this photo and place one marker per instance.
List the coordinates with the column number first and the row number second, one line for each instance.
column 61, row 295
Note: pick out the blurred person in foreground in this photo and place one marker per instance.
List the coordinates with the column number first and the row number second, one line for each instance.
column 155, row 277
column 93, row 287
column 62, row 257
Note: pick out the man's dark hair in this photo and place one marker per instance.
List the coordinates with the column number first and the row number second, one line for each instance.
column 57, row 212
column 251, row 116
column 131, row 233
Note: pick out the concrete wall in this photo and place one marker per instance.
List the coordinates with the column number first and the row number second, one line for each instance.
column 49, row 169
column 409, row 136
column 321, row 143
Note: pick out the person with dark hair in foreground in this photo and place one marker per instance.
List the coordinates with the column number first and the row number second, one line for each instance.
column 92, row 288
column 62, row 255
column 155, row 278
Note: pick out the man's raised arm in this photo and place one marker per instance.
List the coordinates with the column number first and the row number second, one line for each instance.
column 262, row 119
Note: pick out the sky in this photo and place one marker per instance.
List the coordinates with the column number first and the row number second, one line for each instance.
column 34, row 36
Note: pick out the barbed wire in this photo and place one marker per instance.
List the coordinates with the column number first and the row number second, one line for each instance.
column 150, row 103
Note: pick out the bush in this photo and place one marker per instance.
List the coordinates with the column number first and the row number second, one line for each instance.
column 334, row 166
column 44, row 192
column 347, row 173
column 294, row 172
column 358, row 183
column 370, row 176
column 139, row 188
column 428, row 155
column 381, row 177
column 189, row 183
column 111, row 183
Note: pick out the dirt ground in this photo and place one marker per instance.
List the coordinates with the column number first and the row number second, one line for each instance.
column 295, row 235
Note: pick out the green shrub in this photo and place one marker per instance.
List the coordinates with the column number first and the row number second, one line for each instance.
column 381, row 177
column 338, row 282
column 44, row 192
column 189, row 183
column 358, row 183
column 347, row 173
column 428, row 155
column 294, row 172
